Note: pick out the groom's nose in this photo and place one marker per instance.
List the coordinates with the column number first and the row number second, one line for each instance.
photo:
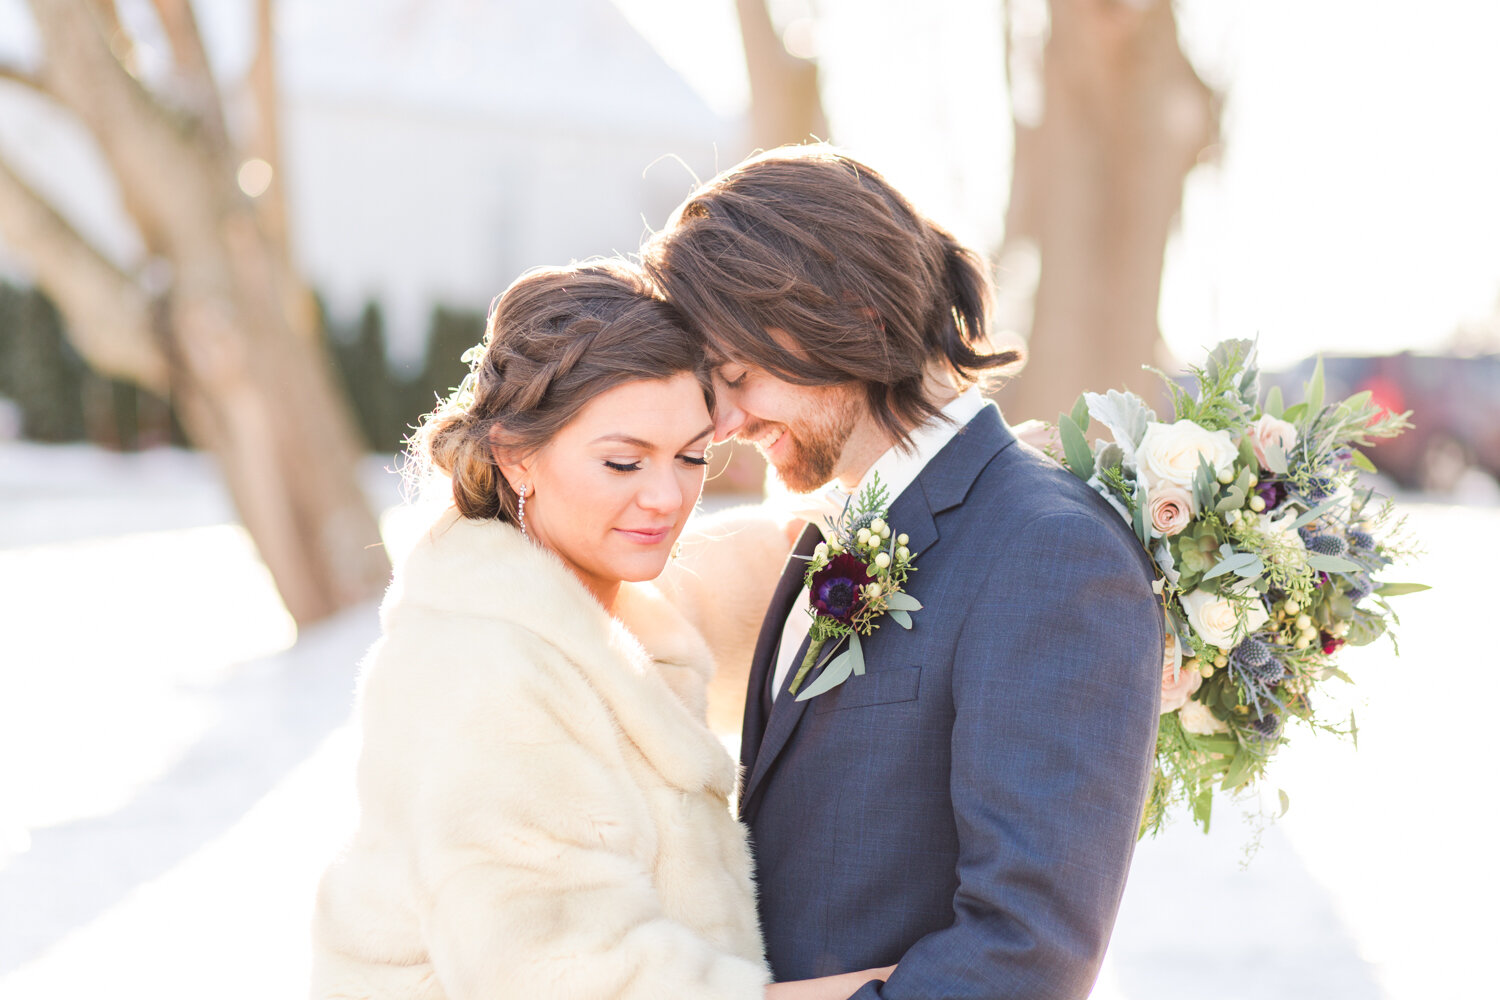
column 728, row 417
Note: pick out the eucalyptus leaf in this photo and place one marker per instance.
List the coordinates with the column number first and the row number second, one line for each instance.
column 1212, row 744
column 1294, row 413
column 1314, row 393
column 902, row 601
column 900, row 618
column 1316, row 512
column 1142, row 529
column 1274, row 406
column 1239, row 771
column 1331, row 564
column 1234, row 499
column 1286, row 800
column 1080, row 412
column 1233, row 564
column 1363, row 631
column 837, row 672
column 1204, row 482
column 1275, row 458
column 1251, row 571
column 1362, row 461
column 1248, row 460
column 1075, row 447
column 1203, row 805
column 1397, row 589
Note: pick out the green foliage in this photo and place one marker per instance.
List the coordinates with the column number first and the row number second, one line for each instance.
column 388, row 398
column 1228, row 385
column 59, row 397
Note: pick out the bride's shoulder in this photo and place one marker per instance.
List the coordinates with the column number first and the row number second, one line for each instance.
column 665, row 634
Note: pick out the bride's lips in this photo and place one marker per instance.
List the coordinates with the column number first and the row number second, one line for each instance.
column 646, row 536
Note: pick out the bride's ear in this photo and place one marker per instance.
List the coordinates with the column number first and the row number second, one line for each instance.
column 515, row 468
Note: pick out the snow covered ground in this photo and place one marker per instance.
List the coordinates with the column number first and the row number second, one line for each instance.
column 175, row 770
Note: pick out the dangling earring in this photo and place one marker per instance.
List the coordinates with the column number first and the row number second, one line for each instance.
column 521, row 509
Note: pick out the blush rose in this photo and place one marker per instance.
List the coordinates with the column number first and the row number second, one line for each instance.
column 1177, row 684
column 1270, row 430
column 1171, row 509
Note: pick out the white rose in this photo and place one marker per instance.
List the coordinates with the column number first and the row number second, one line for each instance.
column 1268, row 430
column 1169, row 453
column 1215, row 619
column 1198, row 720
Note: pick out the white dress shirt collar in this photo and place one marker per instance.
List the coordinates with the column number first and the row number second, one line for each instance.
column 899, row 469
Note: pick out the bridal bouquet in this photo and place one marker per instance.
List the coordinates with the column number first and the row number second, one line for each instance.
column 1270, row 555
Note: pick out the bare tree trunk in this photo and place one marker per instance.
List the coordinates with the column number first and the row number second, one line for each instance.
column 249, row 382
column 1095, row 192
column 785, row 105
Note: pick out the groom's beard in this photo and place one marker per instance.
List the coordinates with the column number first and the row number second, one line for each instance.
column 809, row 452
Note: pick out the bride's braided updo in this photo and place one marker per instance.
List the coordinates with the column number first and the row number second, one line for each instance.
column 556, row 339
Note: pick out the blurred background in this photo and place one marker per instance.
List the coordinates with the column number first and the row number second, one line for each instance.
column 244, row 243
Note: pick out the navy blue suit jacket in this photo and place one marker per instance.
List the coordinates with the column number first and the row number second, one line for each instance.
column 969, row 806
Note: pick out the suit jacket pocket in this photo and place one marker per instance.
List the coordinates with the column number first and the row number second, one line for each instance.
column 879, row 687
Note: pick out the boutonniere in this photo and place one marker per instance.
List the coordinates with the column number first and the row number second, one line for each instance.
column 853, row 579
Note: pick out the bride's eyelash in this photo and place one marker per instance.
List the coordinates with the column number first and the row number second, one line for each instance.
column 636, row 466
column 736, row 383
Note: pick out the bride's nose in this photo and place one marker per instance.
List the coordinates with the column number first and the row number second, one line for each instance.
column 660, row 492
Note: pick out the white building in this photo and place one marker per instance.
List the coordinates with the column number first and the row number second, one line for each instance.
column 434, row 149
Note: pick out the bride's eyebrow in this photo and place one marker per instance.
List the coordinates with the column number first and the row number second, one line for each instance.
column 636, row 442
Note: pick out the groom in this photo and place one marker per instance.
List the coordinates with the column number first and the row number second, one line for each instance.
column 967, row 808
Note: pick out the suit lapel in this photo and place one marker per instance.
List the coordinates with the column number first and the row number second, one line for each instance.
column 942, row 485
column 763, row 664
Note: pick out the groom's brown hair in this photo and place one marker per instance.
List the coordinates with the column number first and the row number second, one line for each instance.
column 805, row 263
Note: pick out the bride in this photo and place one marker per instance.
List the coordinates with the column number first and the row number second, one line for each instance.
column 543, row 809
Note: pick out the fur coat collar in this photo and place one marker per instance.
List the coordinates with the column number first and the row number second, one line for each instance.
column 645, row 660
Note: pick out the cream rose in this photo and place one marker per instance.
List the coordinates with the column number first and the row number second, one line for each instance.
column 1170, row 508
column 1169, row 453
column 1215, row 619
column 1269, row 430
column 1195, row 718
column 1177, row 684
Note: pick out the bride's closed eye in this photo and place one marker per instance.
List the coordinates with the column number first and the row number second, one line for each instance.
column 696, row 460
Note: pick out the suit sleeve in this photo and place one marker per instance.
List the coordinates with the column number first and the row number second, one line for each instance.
column 533, row 857
column 1056, row 682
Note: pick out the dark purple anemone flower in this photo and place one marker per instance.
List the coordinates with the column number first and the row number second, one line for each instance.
column 837, row 589
column 1272, row 492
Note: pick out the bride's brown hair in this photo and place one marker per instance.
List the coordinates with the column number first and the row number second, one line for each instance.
column 557, row 338
column 807, row 240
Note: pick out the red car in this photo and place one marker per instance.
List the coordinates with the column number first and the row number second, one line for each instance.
column 1455, row 404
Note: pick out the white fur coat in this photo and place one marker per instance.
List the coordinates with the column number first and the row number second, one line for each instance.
column 542, row 817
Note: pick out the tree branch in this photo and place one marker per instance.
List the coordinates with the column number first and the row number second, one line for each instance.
column 109, row 316
column 162, row 163
column 191, row 59
column 266, row 141
column 12, row 74
column 785, row 103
